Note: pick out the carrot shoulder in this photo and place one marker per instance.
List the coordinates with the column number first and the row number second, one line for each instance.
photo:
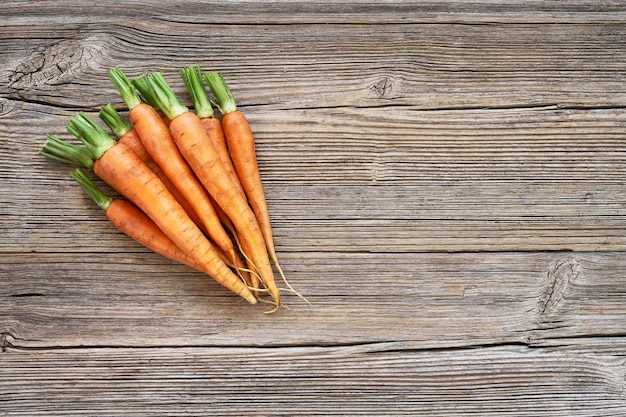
column 127, row 218
column 193, row 143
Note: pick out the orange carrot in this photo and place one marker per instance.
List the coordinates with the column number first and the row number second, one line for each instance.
column 127, row 218
column 249, row 274
column 157, row 139
column 240, row 141
column 127, row 135
column 119, row 167
column 192, row 78
column 191, row 139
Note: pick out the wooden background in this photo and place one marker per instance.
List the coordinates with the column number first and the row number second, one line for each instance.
column 447, row 183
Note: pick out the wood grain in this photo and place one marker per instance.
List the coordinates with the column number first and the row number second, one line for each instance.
column 309, row 381
column 432, row 300
column 446, row 184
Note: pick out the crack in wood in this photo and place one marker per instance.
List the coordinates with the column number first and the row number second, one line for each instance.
column 562, row 273
column 383, row 87
column 60, row 63
column 4, row 342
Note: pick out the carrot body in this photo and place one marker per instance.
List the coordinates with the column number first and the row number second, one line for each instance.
column 240, row 141
column 133, row 141
column 215, row 133
column 192, row 140
column 123, row 170
column 157, row 140
column 251, row 279
column 127, row 218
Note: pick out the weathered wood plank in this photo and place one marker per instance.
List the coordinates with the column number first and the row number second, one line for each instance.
column 361, row 380
column 325, row 11
column 366, row 180
column 446, row 181
column 309, row 66
column 432, row 300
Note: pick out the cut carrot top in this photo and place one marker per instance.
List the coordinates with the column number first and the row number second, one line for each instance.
column 93, row 136
column 66, row 152
column 90, row 188
column 225, row 100
column 146, row 91
column 125, row 87
column 166, row 99
column 114, row 121
column 192, row 77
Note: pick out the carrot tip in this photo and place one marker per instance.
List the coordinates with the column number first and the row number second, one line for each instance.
column 250, row 298
column 272, row 310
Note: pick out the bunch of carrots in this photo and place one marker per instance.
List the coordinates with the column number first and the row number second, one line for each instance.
column 189, row 181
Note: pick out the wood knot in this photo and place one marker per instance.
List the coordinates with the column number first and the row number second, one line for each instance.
column 383, row 87
column 4, row 341
column 560, row 275
column 6, row 108
column 58, row 64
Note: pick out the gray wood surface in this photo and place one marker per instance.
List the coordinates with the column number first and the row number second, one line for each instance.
column 447, row 185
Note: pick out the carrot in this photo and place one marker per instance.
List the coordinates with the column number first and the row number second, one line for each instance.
column 240, row 141
column 127, row 218
column 127, row 135
column 132, row 140
column 119, row 167
column 249, row 274
column 157, row 139
column 191, row 139
column 192, row 77
column 146, row 94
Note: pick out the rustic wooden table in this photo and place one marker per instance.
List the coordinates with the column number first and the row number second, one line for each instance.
column 447, row 183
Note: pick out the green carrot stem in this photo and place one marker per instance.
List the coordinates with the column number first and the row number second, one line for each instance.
column 114, row 121
column 125, row 87
column 93, row 136
column 192, row 77
column 225, row 100
column 165, row 97
column 68, row 153
column 91, row 189
column 146, row 91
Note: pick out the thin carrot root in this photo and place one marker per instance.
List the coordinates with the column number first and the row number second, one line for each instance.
column 258, row 290
column 282, row 275
column 228, row 225
column 249, row 272
column 277, row 307
column 236, row 263
column 256, row 278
